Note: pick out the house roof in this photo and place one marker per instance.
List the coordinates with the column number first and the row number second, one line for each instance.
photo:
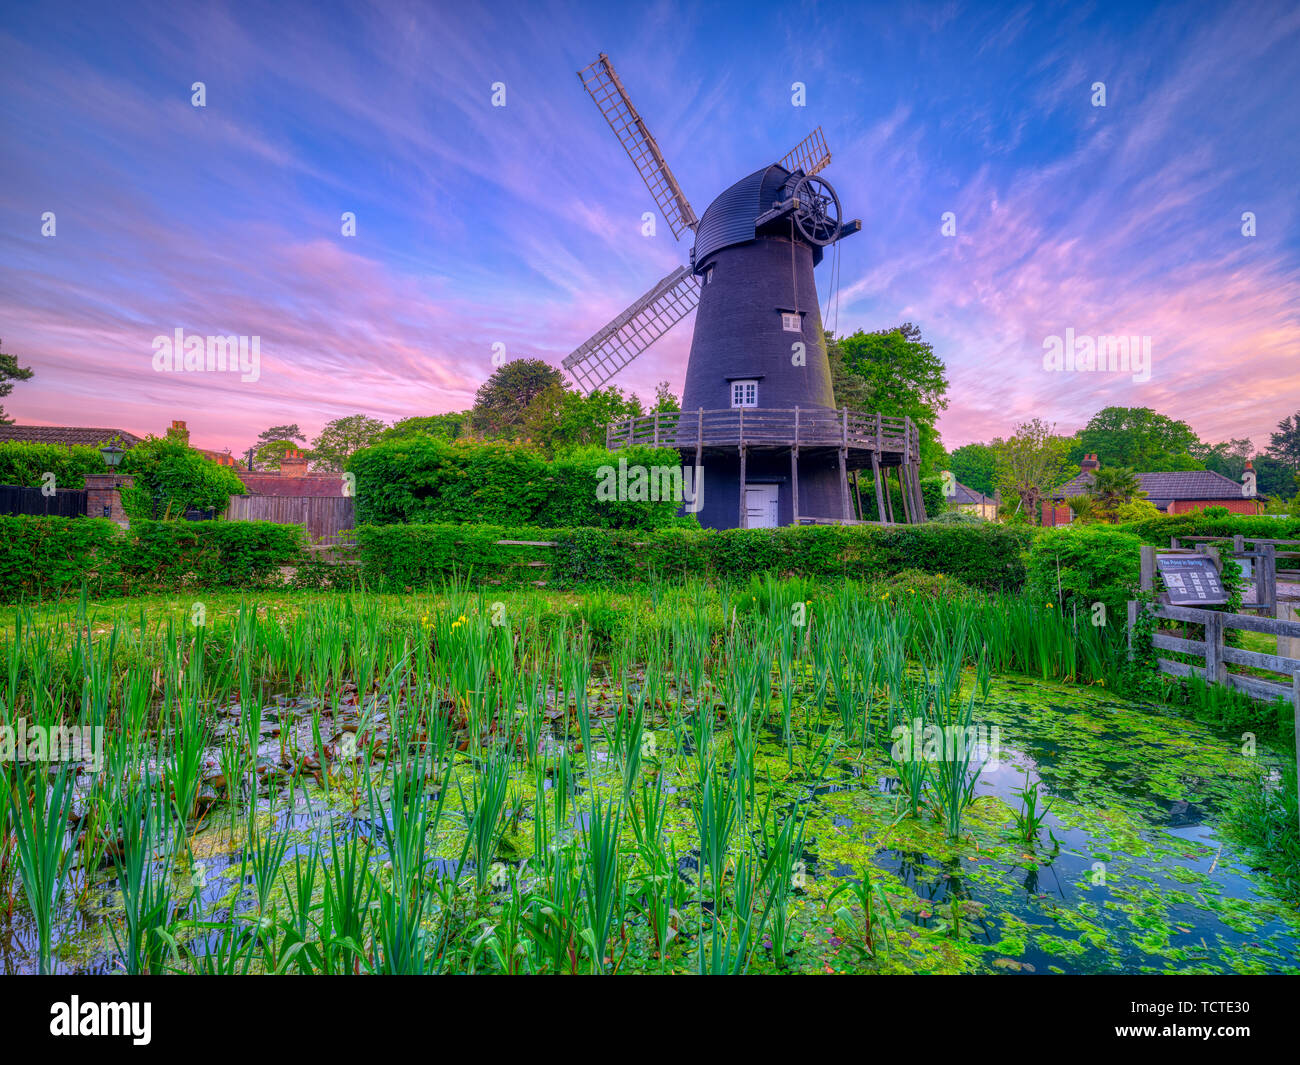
column 965, row 495
column 67, row 435
column 319, row 485
column 1163, row 488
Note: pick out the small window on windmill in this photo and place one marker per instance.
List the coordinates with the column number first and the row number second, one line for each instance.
column 708, row 275
column 744, row 393
column 791, row 322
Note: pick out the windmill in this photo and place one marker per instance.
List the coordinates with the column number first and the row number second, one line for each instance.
column 758, row 389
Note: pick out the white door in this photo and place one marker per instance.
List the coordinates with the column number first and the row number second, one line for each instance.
column 760, row 506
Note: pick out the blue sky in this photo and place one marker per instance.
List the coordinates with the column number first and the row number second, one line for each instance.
column 522, row 224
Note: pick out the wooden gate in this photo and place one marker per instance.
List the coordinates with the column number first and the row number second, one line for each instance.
column 324, row 517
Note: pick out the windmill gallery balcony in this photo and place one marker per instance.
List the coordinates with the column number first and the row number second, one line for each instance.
column 859, row 441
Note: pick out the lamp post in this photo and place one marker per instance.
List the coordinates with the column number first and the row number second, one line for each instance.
column 105, row 489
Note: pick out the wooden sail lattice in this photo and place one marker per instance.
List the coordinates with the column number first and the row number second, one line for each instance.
column 597, row 361
column 602, row 83
column 809, row 155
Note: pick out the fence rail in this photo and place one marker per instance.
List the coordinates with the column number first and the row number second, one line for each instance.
column 1218, row 656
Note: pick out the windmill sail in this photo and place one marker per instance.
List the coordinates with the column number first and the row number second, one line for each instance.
column 600, row 80
column 809, row 155
column 649, row 318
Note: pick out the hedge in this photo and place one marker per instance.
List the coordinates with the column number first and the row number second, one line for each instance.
column 1159, row 530
column 418, row 479
column 400, row 557
column 47, row 557
column 25, row 463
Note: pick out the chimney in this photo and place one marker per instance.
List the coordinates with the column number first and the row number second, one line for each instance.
column 1089, row 464
column 294, row 464
column 180, row 432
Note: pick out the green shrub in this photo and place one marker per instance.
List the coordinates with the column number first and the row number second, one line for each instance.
column 959, row 517
column 170, row 477
column 910, row 583
column 419, row 480
column 1076, row 567
column 932, row 495
column 25, row 463
column 50, row 557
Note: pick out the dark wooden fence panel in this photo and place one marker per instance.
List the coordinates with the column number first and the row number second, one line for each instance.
column 329, row 518
column 65, row 503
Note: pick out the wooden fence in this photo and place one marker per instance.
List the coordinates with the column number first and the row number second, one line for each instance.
column 328, row 518
column 64, row 503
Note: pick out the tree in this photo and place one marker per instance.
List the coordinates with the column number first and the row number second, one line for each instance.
column 1273, row 477
column 1227, row 458
column 500, row 402
column 171, row 478
column 1031, row 463
column 665, row 401
column 10, row 372
column 451, row 426
column 975, row 466
column 340, row 438
column 1113, row 487
column 896, row 373
column 1139, row 438
column 560, row 418
column 271, row 454
column 1283, row 445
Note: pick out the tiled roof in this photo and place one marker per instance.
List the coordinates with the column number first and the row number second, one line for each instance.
column 66, row 434
column 1165, row 487
column 966, row 495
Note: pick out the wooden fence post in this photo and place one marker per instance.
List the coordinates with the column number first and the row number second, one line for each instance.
column 1147, row 557
column 1216, row 669
column 1295, row 702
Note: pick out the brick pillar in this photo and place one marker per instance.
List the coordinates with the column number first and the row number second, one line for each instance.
column 103, row 490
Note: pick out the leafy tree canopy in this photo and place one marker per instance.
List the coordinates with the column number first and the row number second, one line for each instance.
column 171, row 478
column 1031, row 463
column 1140, row 439
column 975, row 466
column 502, row 400
column 340, row 439
column 10, row 372
column 1284, row 445
column 894, row 372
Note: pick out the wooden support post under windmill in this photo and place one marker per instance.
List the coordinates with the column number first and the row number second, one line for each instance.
column 744, row 510
column 699, row 455
column 794, row 473
column 857, row 491
column 902, row 488
column 846, row 511
column 875, row 473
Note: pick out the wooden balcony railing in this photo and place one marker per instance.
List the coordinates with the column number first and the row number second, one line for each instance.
column 762, row 427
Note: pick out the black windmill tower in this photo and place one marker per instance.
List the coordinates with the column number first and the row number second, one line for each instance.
column 758, row 411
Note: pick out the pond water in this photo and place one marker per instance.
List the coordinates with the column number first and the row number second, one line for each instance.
column 1128, row 873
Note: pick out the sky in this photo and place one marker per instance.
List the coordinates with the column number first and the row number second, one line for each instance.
column 521, row 225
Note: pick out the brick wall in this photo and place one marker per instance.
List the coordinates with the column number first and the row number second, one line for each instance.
column 104, row 490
